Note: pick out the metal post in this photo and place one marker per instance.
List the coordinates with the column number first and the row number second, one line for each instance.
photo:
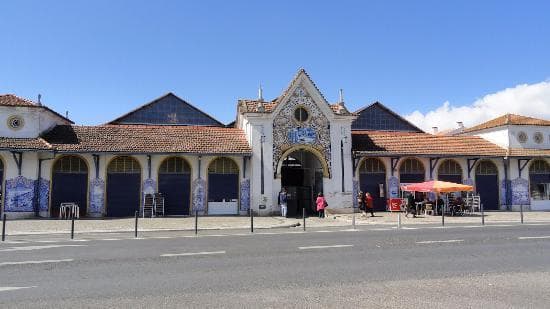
column 521, row 212
column 136, row 226
column 482, row 215
column 251, row 221
column 196, row 222
column 304, row 216
column 4, row 227
column 399, row 219
column 353, row 220
column 72, row 227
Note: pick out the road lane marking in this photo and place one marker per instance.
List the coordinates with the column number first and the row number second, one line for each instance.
column 35, row 262
column 13, row 288
column 534, row 237
column 194, row 253
column 323, row 231
column 439, row 241
column 29, row 248
column 324, row 247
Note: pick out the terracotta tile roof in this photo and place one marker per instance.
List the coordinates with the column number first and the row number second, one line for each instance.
column 411, row 143
column 525, row 152
column 148, row 139
column 13, row 100
column 9, row 143
column 508, row 119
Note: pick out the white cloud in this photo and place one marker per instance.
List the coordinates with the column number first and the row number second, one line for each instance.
column 527, row 100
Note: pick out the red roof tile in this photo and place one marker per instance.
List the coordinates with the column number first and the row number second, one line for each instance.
column 13, row 100
column 411, row 143
column 529, row 152
column 23, row 144
column 508, row 119
column 149, row 139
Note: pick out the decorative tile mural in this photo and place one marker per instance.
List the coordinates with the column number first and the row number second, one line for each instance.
column 355, row 193
column 468, row 181
column 245, row 194
column 503, row 193
column 199, row 195
column 19, row 195
column 393, row 186
column 97, row 196
column 287, row 132
column 149, row 186
column 520, row 192
column 44, row 189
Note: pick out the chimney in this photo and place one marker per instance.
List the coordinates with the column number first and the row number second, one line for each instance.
column 67, row 114
column 460, row 124
column 341, row 97
column 39, row 97
column 435, row 130
column 260, row 93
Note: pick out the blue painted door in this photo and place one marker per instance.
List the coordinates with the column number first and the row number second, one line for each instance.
column 487, row 188
column 371, row 183
column 176, row 191
column 411, row 178
column 223, row 186
column 123, row 194
column 450, row 178
column 69, row 188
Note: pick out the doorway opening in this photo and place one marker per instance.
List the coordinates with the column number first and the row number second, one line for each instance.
column 302, row 176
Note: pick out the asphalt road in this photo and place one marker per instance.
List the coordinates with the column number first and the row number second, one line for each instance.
column 460, row 267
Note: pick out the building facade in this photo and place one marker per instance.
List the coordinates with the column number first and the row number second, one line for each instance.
column 298, row 141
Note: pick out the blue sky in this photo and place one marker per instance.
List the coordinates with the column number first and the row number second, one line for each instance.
column 100, row 59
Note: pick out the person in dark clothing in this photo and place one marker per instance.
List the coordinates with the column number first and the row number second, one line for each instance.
column 411, row 209
column 368, row 204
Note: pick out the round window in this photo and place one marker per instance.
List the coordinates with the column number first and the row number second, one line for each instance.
column 538, row 138
column 15, row 122
column 522, row 137
column 300, row 114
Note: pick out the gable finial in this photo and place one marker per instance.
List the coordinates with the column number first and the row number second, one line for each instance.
column 341, row 99
column 260, row 93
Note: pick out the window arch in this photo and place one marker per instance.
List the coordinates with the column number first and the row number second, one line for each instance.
column 539, row 167
column 175, row 165
column 70, row 164
column 449, row 167
column 372, row 166
column 223, row 166
column 412, row 166
column 124, row 164
column 486, row 168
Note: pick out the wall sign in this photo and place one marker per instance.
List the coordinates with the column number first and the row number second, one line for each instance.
column 302, row 136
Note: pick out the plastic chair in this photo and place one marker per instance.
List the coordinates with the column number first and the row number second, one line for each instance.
column 429, row 209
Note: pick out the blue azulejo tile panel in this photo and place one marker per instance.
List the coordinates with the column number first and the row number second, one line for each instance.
column 393, row 186
column 19, row 195
column 245, row 194
column 520, row 192
column 44, row 194
column 355, row 192
column 199, row 195
column 97, row 196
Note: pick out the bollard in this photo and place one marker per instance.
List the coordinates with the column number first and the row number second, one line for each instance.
column 442, row 216
column 398, row 219
column 196, row 222
column 304, row 216
column 251, row 221
column 72, row 227
column 136, row 226
column 353, row 220
column 4, row 227
column 482, row 214
column 521, row 212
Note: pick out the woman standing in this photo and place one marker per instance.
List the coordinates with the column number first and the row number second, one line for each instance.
column 321, row 204
column 368, row 204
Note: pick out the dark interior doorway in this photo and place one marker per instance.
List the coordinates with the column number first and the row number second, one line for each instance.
column 302, row 176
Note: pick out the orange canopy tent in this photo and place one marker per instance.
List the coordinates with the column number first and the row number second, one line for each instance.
column 436, row 186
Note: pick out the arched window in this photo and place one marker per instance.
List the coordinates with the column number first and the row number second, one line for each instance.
column 411, row 166
column 372, row 166
column 124, row 164
column 449, row 167
column 70, row 164
column 223, row 166
column 175, row 165
column 539, row 167
column 486, row 168
column 539, row 180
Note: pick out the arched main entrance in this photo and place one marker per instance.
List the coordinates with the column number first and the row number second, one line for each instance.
column 69, row 184
column 539, row 180
column 123, row 186
column 174, row 182
column 487, row 184
column 372, row 179
column 302, row 176
column 450, row 171
column 223, row 187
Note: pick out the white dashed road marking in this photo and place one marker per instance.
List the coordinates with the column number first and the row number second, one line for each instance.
column 29, row 248
column 324, row 247
column 35, row 262
column 534, row 237
column 13, row 288
column 193, row 253
column 439, row 241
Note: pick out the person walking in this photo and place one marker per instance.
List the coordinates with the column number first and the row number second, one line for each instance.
column 361, row 203
column 368, row 204
column 283, row 197
column 321, row 203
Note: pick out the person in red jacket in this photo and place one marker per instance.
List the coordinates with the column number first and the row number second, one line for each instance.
column 321, row 203
column 368, row 204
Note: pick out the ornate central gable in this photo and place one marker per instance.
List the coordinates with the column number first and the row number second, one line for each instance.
column 300, row 123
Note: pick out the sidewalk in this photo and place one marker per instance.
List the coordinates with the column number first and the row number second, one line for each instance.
column 53, row 226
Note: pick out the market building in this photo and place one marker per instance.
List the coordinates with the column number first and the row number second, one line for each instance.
column 297, row 140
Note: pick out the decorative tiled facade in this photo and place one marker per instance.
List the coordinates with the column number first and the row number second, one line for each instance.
column 355, row 193
column 199, row 195
column 288, row 132
column 393, row 186
column 19, row 195
column 44, row 194
column 245, row 194
column 97, row 196
column 520, row 192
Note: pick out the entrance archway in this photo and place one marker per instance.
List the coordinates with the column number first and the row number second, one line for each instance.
column 487, row 184
column 174, row 182
column 123, row 187
column 223, row 187
column 372, row 179
column 69, row 184
column 302, row 176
